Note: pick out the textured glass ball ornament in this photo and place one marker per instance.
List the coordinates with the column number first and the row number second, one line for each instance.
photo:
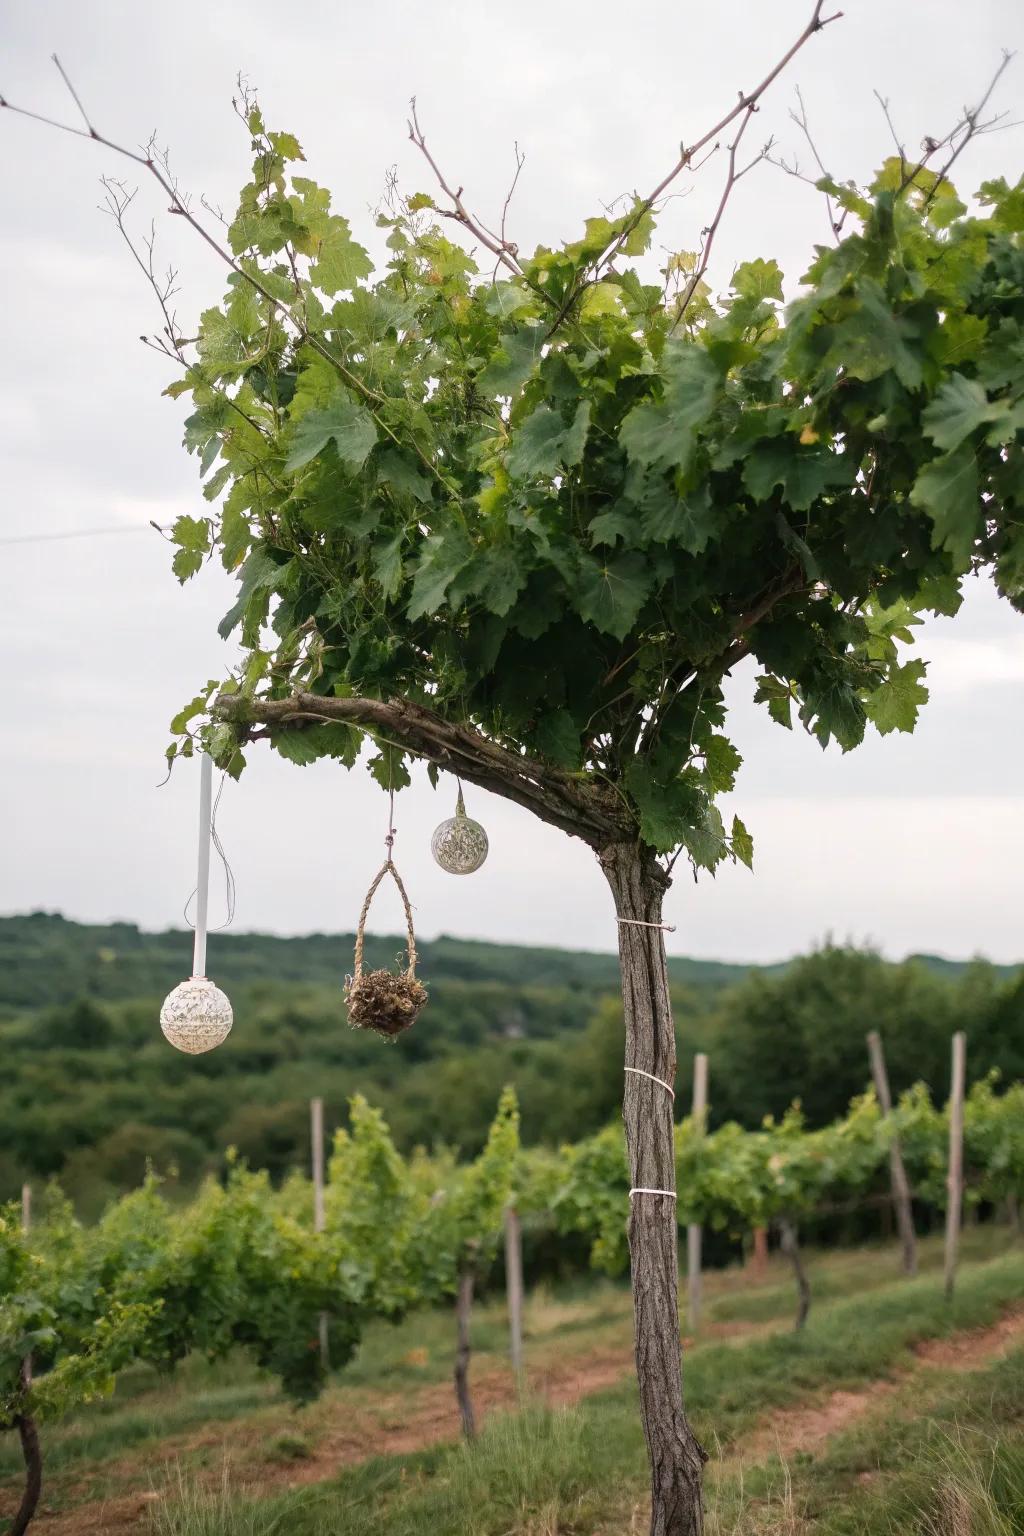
column 196, row 1016
column 460, row 844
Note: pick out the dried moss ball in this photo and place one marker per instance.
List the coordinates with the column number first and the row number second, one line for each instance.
column 196, row 1016
column 384, row 1002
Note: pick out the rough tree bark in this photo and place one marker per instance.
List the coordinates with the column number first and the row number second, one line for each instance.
column 791, row 1248
column 638, row 885
column 28, row 1434
column 463, row 1311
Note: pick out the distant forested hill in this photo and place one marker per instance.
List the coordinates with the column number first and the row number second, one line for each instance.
column 89, row 1089
column 44, row 958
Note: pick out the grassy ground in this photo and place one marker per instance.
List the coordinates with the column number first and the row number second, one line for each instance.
column 852, row 1427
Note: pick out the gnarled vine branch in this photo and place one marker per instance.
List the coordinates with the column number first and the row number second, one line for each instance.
column 587, row 811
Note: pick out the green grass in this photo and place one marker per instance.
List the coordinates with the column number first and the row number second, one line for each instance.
column 944, row 1457
column 167, row 1407
column 530, row 1472
column 577, row 1471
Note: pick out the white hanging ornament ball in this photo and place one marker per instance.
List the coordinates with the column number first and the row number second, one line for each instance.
column 196, row 1016
column 460, row 844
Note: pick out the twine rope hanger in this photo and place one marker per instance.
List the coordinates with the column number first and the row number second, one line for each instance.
column 387, row 868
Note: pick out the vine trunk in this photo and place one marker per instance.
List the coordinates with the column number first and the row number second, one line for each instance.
column 29, row 1437
column 790, row 1244
column 638, row 885
column 463, row 1311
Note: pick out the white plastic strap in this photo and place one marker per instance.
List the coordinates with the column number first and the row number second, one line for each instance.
column 670, row 1192
column 203, row 875
column 638, row 922
column 639, row 1072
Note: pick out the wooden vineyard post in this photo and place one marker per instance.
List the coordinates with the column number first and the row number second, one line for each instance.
column 514, row 1289
column 897, row 1171
column 759, row 1256
column 316, row 1137
column 955, row 1179
column 693, row 1231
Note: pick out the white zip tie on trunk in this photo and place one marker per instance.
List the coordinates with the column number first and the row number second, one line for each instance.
column 639, row 1072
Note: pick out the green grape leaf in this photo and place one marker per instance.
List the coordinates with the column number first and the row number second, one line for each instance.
column 192, row 536
column 349, row 426
column 543, row 443
column 742, row 843
column 340, row 262
column 387, row 565
column 558, row 737
column 894, row 706
column 610, row 593
column 959, row 408
column 664, row 433
column 832, row 710
column 444, row 556
column 686, row 520
column 515, row 360
column 803, row 473
column 947, row 489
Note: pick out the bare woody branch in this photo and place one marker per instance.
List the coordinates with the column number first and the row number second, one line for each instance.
column 748, row 102
column 708, row 235
column 500, row 247
column 970, row 125
column 510, row 244
column 156, row 164
column 520, row 162
column 118, row 200
column 801, row 120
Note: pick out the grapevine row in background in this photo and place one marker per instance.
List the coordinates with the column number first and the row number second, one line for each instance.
column 242, row 1266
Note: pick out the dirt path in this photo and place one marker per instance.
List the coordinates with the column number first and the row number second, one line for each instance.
column 805, row 1429
column 352, row 1426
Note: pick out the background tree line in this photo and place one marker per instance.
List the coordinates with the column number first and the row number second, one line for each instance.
column 89, row 1090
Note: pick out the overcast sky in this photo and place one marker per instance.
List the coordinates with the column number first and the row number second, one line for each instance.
column 915, row 843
